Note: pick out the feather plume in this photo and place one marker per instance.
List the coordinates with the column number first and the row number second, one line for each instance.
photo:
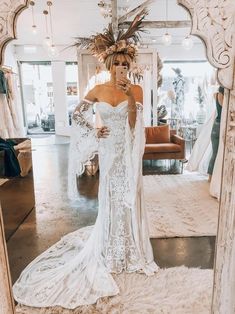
column 82, row 42
column 134, row 28
column 99, row 44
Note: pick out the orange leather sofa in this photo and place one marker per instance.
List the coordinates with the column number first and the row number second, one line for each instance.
column 163, row 143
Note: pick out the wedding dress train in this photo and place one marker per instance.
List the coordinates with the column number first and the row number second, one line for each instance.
column 76, row 272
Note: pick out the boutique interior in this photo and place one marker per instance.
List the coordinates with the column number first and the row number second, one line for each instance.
column 44, row 76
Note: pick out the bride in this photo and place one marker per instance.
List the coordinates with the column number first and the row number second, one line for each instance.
column 76, row 272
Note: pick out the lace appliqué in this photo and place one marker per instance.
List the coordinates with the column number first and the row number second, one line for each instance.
column 78, row 115
column 83, row 144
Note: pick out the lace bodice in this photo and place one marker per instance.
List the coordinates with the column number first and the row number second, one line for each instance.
column 115, row 119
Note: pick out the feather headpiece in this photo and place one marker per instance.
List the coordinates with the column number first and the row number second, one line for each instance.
column 107, row 43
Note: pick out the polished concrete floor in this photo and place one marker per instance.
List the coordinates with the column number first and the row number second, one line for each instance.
column 54, row 215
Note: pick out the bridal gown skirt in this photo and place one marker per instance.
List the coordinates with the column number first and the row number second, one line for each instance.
column 78, row 269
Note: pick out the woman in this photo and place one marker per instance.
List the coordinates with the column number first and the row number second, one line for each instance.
column 215, row 133
column 75, row 272
column 207, row 154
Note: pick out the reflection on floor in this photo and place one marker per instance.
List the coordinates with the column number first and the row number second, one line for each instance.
column 55, row 216
column 161, row 167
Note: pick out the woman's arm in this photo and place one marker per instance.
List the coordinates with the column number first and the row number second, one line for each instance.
column 136, row 95
column 82, row 107
column 220, row 99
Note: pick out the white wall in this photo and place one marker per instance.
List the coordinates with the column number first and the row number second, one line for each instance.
column 173, row 52
column 65, row 54
column 59, row 92
column 177, row 52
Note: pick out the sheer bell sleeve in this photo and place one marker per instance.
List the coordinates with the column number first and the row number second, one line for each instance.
column 83, row 144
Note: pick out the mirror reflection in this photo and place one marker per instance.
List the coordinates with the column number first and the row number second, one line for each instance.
column 82, row 119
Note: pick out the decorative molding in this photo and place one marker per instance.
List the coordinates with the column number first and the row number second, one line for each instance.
column 10, row 10
column 224, row 269
column 214, row 22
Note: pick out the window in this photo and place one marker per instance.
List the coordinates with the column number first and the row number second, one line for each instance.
column 37, row 92
column 195, row 75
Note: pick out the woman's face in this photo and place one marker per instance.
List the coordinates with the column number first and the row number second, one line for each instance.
column 120, row 60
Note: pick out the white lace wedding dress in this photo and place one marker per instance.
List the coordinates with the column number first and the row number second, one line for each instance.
column 76, row 272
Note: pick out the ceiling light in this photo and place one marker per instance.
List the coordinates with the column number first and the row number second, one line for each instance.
column 34, row 27
column 53, row 51
column 167, row 39
column 47, row 40
column 187, row 42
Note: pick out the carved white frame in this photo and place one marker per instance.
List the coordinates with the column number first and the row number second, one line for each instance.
column 214, row 22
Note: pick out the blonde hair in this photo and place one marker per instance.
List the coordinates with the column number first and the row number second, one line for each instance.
column 109, row 61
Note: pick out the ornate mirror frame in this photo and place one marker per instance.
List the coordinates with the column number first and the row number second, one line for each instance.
column 214, row 22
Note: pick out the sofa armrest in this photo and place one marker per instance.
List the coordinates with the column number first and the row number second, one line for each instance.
column 176, row 139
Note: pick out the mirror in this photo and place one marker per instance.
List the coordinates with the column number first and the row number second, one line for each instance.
column 180, row 100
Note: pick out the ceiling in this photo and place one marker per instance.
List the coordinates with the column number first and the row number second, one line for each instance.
column 76, row 18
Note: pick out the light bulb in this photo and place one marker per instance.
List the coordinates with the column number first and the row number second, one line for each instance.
column 167, row 39
column 187, row 43
column 47, row 41
column 34, row 29
column 53, row 51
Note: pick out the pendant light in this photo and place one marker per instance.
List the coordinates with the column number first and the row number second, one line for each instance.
column 53, row 51
column 34, row 27
column 167, row 38
column 47, row 40
column 187, row 42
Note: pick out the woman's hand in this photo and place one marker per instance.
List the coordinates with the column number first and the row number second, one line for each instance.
column 103, row 132
column 125, row 85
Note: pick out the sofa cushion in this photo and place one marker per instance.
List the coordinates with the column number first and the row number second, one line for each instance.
column 158, row 134
column 162, row 148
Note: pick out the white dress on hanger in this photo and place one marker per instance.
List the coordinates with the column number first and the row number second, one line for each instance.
column 11, row 123
column 75, row 272
column 7, row 128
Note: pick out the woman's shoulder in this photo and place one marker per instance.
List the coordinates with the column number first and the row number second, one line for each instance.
column 101, row 85
column 137, row 89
